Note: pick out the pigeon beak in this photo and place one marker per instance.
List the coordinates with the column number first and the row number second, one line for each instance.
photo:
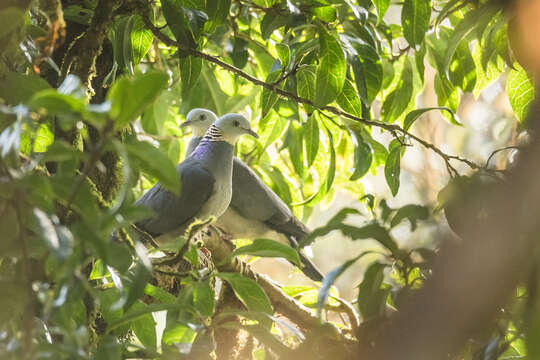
column 186, row 123
column 252, row 133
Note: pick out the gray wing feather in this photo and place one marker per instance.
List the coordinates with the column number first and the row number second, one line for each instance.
column 173, row 211
column 253, row 199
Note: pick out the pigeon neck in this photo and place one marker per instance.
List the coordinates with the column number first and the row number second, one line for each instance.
column 193, row 142
column 216, row 134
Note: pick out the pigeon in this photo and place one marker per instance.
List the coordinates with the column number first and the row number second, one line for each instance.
column 206, row 182
column 255, row 210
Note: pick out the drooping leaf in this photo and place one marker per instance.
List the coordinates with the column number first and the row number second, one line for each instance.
column 190, row 70
column 269, row 248
column 396, row 102
column 415, row 16
column 269, row 97
column 392, row 170
column 520, row 92
column 306, row 77
column 331, row 69
column 363, row 155
column 311, row 139
column 382, row 7
column 368, row 72
column 474, row 19
column 217, row 11
column 371, row 297
column 141, row 40
column 178, row 22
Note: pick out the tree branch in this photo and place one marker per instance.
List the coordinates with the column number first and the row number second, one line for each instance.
column 331, row 109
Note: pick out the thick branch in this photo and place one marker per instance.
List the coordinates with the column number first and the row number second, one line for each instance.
column 393, row 128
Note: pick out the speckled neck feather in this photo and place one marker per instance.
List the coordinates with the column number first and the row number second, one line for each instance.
column 214, row 134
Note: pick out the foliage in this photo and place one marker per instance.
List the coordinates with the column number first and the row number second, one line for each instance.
column 335, row 72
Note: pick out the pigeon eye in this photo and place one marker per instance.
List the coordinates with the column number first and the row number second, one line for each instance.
column 236, row 122
column 201, row 117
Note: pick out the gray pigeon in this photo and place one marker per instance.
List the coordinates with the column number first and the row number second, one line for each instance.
column 206, row 185
column 255, row 210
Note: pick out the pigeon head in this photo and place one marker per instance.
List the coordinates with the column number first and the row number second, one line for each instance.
column 199, row 120
column 229, row 128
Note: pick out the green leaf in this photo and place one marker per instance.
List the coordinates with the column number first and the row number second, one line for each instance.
column 371, row 297
column 462, row 71
column 269, row 248
column 141, row 40
column 447, row 94
column 284, row 53
column 270, row 23
column 477, row 18
column 363, row 155
column 306, row 77
column 311, row 139
column 269, row 97
column 325, row 13
column 249, row 292
column 293, row 142
column 331, row 70
column 11, row 18
column 279, row 184
column 130, row 96
column 203, row 297
column 239, row 53
column 520, row 92
column 348, row 99
column 371, row 231
column 16, row 88
column 58, row 238
column 134, row 315
column 217, row 11
column 397, row 101
column 411, row 212
column 331, row 225
column 56, row 103
column 329, row 280
column 178, row 22
column 382, row 7
column 159, row 294
column 415, row 16
column 140, row 275
column 145, row 327
column 392, row 170
column 368, row 72
column 155, row 163
column 190, row 70
column 415, row 114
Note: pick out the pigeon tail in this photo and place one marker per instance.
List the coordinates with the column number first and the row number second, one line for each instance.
column 309, row 268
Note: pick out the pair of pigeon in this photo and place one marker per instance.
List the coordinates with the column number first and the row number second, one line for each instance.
column 215, row 183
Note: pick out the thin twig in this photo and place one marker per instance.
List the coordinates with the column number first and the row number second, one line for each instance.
column 498, row 151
